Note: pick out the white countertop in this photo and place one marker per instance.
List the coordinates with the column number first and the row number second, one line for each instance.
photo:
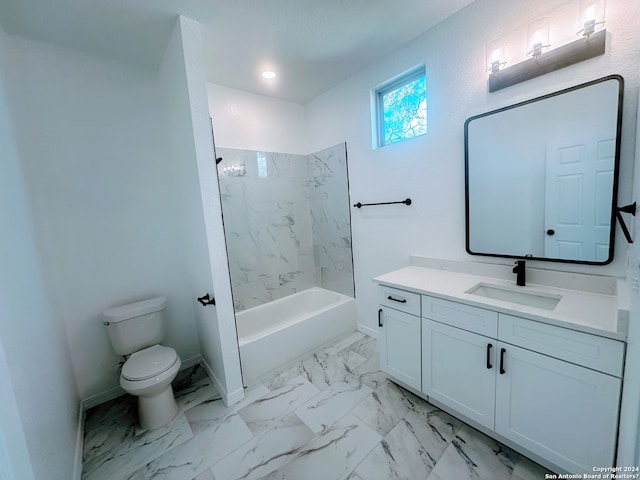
column 578, row 310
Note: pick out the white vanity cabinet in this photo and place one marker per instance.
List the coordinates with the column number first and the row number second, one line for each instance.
column 399, row 335
column 552, row 390
column 558, row 392
column 458, row 370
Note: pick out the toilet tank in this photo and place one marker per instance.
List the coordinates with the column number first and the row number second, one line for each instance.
column 135, row 326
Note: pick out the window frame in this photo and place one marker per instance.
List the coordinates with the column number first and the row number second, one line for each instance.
column 395, row 83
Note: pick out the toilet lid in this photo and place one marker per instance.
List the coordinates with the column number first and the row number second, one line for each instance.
column 149, row 362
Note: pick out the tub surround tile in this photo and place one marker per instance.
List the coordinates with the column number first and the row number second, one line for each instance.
column 334, row 454
column 263, row 413
column 265, row 453
column 133, row 452
column 287, row 223
column 330, row 405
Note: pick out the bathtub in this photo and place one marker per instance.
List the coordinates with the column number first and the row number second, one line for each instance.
column 279, row 332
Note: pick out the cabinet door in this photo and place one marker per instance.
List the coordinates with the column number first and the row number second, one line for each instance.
column 400, row 346
column 459, row 370
column 560, row 411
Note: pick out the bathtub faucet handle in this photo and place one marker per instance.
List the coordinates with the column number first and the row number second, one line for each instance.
column 205, row 300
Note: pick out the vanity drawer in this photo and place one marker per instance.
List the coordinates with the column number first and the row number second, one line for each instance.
column 472, row 319
column 397, row 299
column 591, row 351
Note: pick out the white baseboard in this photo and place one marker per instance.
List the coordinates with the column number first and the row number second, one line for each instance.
column 100, row 398
column 372, row 332
column 77, row 460
column 227, row 398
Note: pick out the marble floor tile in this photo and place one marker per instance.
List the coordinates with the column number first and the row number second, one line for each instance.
column 473, row 455
column 195, row 394
column 266, row 453
column 333, row 403
column 195, row 456
column 334, row 454
column 135, row 451
column 206, row 475
column 340, row 345
column 383, row 409
column 263, row 413
column 410, row 450
column 526, row 469
column 366, row 346
column 212, row 411
column 334, row 414
column 188, row 377
column 322, row 370
column 369, row 372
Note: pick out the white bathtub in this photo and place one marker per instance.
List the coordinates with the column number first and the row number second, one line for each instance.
column 277, row 333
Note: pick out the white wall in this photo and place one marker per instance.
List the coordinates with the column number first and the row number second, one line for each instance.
column 629, row 439
column 216, row 326
column 430, row 169
column 35, row 367
column 254, row 122
column 93, row 141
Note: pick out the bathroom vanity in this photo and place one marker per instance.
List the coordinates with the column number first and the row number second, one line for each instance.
column 538, row 367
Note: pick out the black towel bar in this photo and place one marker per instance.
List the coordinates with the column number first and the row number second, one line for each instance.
column 360, row 205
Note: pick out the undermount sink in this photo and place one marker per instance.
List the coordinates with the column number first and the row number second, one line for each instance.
column 546, row 301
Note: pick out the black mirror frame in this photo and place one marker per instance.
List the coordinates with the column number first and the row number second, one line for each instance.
column 614, row 207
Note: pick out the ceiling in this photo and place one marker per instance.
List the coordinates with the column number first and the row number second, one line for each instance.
column 312, row 44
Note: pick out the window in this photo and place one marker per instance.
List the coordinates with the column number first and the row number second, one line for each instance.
column 402, row 108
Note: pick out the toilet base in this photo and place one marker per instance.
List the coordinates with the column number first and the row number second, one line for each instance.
column 157, row 410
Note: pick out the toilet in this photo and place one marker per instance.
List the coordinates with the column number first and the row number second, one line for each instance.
column 135, row 331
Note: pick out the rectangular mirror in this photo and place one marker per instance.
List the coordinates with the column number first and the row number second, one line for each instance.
column 541, row 176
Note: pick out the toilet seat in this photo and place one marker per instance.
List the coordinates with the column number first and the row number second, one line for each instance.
column 149, row 363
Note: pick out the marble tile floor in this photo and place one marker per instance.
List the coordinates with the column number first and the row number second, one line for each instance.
column 334, row 415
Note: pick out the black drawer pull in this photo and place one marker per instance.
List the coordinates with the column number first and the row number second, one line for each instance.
column 489, row 355
column 502, row 352
column 404, row 300
column 380, row 318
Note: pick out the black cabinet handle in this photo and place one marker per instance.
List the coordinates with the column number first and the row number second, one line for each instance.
column 404, row 300
column 489, row 355
column 380, row 318
column 551, row 232
column 502, row 352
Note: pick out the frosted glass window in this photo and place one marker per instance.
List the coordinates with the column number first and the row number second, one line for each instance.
column 402, row 108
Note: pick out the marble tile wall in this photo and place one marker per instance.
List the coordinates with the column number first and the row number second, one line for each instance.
column 331, row 219
column 286, row 221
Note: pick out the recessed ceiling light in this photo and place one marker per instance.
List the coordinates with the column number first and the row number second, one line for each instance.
column 268, row 74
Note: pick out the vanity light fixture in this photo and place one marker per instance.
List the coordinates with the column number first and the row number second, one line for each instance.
column 591, row 16
column 269, row 74
column 538, row 37
column 544, row 59
column 495, row 55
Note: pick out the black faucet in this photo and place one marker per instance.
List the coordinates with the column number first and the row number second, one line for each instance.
column 519, row 269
